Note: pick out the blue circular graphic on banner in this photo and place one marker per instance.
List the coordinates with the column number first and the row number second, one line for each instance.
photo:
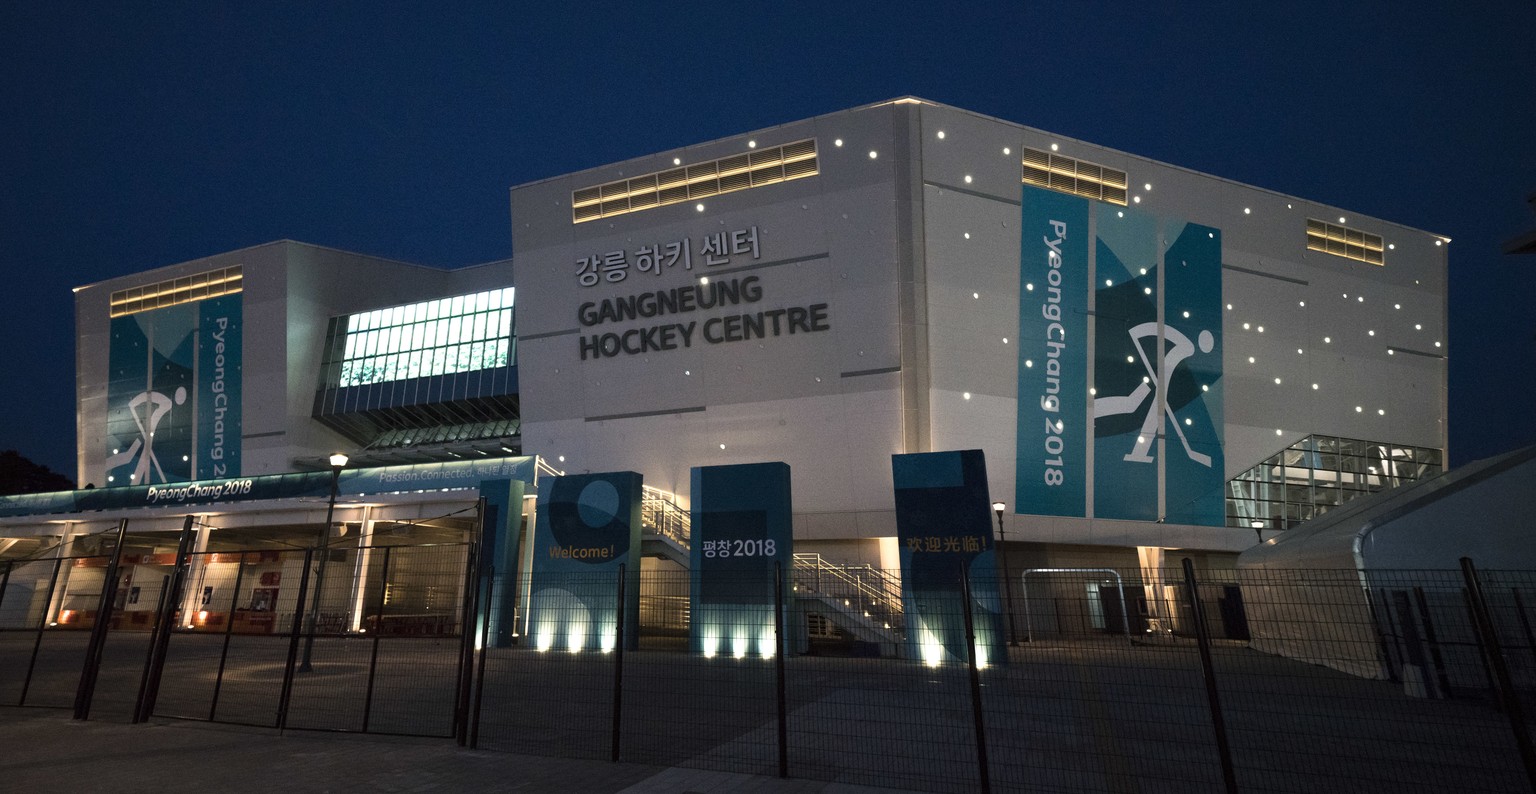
column 598, row 503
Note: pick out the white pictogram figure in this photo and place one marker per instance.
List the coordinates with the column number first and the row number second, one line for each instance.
column 1114, row 406
column 159, row 406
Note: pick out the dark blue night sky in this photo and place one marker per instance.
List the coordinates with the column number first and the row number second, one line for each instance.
column 142, row 135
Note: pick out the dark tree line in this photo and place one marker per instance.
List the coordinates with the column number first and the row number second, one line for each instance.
column 19, row 475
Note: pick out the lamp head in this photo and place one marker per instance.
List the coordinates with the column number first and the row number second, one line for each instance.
column 338, row 460
column 999, row 507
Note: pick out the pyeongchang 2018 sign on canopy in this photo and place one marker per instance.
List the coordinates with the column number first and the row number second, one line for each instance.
column 1155, row 284
column 710, row 310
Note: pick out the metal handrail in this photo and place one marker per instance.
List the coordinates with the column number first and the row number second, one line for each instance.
column 873, row 585
column 661, row 516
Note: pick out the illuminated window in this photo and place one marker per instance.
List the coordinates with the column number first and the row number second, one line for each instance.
column 693, row 182
column 419, row 340
column 212, row 284
column 1319, row 473
column 1077, row 177
column 1331, row 238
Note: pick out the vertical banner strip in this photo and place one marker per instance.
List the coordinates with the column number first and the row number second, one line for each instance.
column 1195, row 466
column 944, row 526
column 1053, row 355
column 741, row 539
column 220, row 361
column 1127, row 357
column 588, row 529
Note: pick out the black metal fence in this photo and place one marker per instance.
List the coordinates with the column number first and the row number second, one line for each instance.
column 1132, row 680
column 370, row 640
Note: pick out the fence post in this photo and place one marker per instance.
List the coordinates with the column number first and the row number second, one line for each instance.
column 982, row 767
column 168, row 616
column 1434, row 643
column 1218, row 722
column 470, row 613
column 378, row 631
column 1525, row 622
column 1482, row 648
column 42, row 624
column 5, row 579
column 294, row 630
column 86, row 690
column 149, row 654
column 618, row 667
column 485, row 651
column 229, row 630
column 781, row 649
column 1482, row 621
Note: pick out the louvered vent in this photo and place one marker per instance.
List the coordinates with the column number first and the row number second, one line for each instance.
column 693, row 182
column 1077, row 177
column 186, row 289
column 1343, row 241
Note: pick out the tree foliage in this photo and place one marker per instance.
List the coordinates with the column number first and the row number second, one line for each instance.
column 19, row 475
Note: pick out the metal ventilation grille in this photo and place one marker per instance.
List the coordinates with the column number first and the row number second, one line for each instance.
column 692, row 182
column 1344, row 241
column 186, row 289
column 1077, row 177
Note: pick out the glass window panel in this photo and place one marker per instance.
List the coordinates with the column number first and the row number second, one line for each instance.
column 409, row 314
column 482, row 301
column 504, row 323
column 479, row 332
column 456, row 306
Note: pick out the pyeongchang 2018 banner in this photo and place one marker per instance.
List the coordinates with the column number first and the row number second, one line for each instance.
column 173, row 393
column 1153, row 414
column 1053, row 355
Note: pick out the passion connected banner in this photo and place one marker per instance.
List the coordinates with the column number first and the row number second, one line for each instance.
column 1151, row 419
column 741, row 546
column 588, row 526
column 173, row 393
column 944, row 526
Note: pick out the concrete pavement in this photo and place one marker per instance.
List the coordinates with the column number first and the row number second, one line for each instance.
column 43, row 750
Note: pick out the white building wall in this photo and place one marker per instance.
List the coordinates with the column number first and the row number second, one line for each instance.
column 828, row 403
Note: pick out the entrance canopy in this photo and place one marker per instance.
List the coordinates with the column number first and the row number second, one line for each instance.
column 454, row 475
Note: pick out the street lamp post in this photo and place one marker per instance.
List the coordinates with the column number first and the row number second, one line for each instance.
column 998, row 508
column 338, row 461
